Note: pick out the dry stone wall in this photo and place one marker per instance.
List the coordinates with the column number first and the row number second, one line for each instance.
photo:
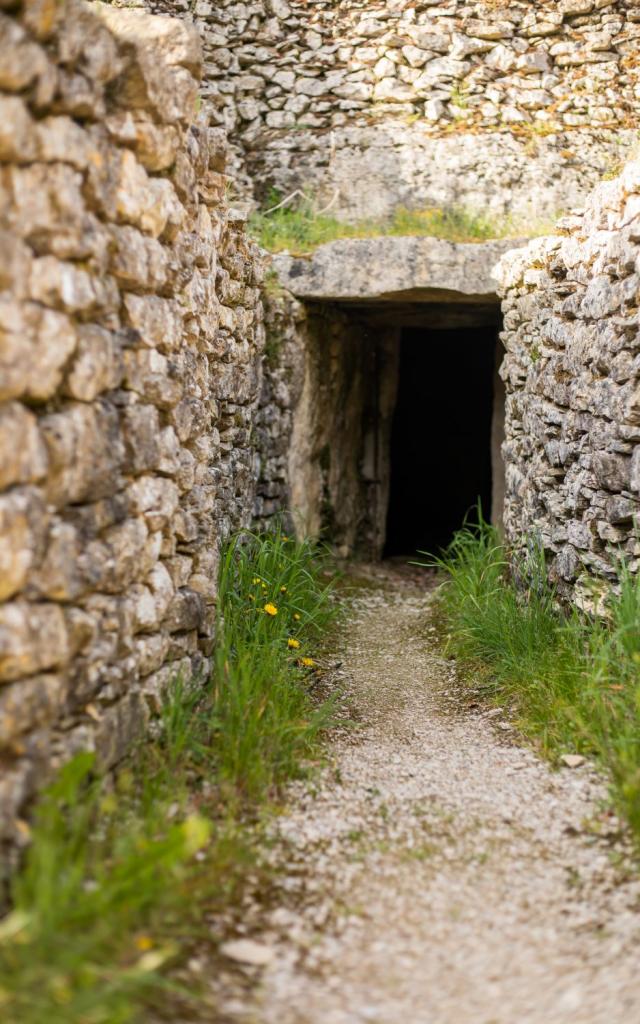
column 328, row 63
column 572, row 373
column 323, row 424
column 338, row 466
column 130, row 347
column 370, row 105
column 144, row 410
column 285, row 357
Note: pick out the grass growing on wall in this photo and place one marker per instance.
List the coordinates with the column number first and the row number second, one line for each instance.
column 573, row 681
column 301, row 229
column 121, row 873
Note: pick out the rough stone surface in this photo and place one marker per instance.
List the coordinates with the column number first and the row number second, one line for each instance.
column 394, row 269
column 155, row 414
column 286, row 351
column 370, row 171
column 370, row 105
column 571, row 371
column 130, row 348
column 321, row 406
column 328, row 402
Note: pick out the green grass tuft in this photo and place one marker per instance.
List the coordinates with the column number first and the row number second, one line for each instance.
column 266, row 723
column 572, row 680
column 121, row 872
column 300, row 229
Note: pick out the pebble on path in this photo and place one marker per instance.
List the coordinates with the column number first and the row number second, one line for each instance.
column 438, row 872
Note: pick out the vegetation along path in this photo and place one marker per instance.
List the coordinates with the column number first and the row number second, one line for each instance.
column 438, row 872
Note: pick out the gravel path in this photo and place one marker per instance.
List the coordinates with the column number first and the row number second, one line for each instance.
column 437, row 872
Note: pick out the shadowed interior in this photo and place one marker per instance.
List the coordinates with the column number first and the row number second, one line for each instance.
column 441, row 436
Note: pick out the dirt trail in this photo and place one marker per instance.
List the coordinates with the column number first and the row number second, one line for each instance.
column 439, row 873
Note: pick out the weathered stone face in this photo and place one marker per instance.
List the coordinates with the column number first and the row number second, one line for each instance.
column 137, row 427
column 316, row 423
column 514, row 106
column 393, row 269
column 130, row 343
column 571, row 369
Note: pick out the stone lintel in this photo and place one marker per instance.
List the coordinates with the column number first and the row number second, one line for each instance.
column 412, row 270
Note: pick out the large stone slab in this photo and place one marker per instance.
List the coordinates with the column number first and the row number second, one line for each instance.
column 389, row 269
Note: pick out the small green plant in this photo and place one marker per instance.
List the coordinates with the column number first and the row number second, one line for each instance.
column 573, row 680
column 460, row 97
column 277, row 605
column 613, row 170
column 454, row 224
column 271, row 286
column 120, row 871
column 272, row 349
column 301, row 229
column 106, row 870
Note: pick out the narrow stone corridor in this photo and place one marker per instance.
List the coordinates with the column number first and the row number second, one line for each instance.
column 438, row 872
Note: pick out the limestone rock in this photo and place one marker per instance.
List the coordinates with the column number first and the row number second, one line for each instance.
column 62, row 140
column 85, row 452
column 126, row 194
column 33, row 638
column 164, row 62
column 22, row 527
column 118, row 371
column 23, row 60
column 571, row 411
column 246, row 951
column 28, row 704
column 18, row 137
column 136, row 328
column 35, row 344
column 137, row 262
column 26, row 462
column 392, row 268
column 69, row 288
column 97, row 365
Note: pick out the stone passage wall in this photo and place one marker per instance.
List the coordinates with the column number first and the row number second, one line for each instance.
column 338, row 467
column 425, row 101
column 285, row 356
column 130, row 344
column 324, row 420
column 572, row 374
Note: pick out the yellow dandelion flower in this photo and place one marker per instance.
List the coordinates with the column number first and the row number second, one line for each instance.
column 283, row 590
column 292, row 642
column 256, row 579
column 264, row 586
column 296, row 616
column 143, row 943
column 307, row 662
column 270, row 609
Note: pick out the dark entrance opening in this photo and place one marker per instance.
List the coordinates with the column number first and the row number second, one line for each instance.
column 441, row 436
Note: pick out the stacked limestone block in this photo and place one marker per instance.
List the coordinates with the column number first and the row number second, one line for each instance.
column 130, row 341
column 572, row 372
column 282, row 383
column 282, row 62
column 371, row 104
